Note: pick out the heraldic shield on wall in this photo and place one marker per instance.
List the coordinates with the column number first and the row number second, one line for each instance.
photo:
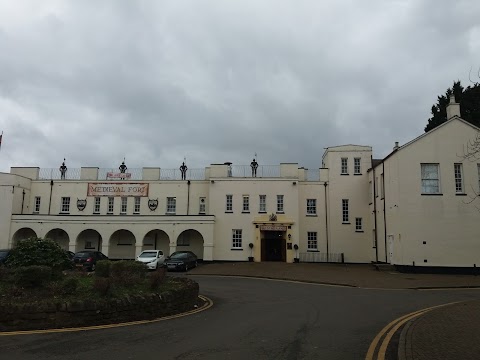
column 152, row 204
column 81, row 204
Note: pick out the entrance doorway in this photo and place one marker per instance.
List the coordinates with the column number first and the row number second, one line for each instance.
column 274, row 246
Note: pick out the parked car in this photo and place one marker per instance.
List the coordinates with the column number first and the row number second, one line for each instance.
column 4, row 253
column 184, row 252
column 87, row 259
column 153, row 259
column 70, row 254
column 181, row 261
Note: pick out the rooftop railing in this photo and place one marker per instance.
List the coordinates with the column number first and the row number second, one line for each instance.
column 262, row 171
column 55, row 174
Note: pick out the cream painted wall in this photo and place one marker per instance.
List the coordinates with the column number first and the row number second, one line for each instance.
column 446, row 223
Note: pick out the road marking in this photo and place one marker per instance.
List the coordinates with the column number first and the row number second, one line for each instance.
column 208, row 305
column 391, row 328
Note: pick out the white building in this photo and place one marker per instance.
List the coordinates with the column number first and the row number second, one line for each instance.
column 410, row 208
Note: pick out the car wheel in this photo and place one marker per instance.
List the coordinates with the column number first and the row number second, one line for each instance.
column 92, row 268
column 196, row 263
column 186, row 267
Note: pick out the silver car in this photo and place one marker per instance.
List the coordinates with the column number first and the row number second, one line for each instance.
column 153, row 259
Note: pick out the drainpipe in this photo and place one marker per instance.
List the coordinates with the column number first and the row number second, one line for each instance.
column 326, row 216
column 375, row 212
column 23, row 200
column 50, row 201
column 188, row 196
column 384, row 211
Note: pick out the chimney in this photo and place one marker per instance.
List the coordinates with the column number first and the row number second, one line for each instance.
column 396, row 146
column 453, row 108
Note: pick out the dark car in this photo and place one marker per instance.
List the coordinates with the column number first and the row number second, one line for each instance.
column 184, row 252
column 181, row 260
column 70, row 254
column 4, row 253
column 88, row 259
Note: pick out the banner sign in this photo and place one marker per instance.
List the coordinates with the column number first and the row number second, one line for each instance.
column 273, row 228
column 117, row 189
column 111, row 175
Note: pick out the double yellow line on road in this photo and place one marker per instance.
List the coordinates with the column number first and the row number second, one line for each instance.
column 208, row 304
column 388, row 331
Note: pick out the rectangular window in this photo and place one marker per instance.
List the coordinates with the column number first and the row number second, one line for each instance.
column 311, row 206
column 203, row 206
column 246, row 204
column 263, row 204
column 458, row 168
column 312, row 240
column 430, row 179
column 37, row 204
column 280, row 203
column 110, row 205
column 345, row 216
column 171, row 205
column 123, row 209
column 65, row 205
column 357, row 170
column 236, row 239
column 96, row 205
column 344, row 170
column 358, row 224
column 229, row 204
column 136, row 205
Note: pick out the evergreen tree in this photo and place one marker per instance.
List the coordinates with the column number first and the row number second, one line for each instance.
column 469, row 99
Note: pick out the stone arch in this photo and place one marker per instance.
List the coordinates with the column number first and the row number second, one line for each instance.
column 156, row 240
column 122, row 245
column 89, row 239
column 22, row 234
column 60, row 236
column 191, row 240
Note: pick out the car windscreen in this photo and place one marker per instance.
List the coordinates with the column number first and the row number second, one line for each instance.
column 179, row 256
column 148, row 254
column 3, row 254
column 83, row 255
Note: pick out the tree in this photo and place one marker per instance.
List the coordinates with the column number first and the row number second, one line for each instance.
column 469, row 99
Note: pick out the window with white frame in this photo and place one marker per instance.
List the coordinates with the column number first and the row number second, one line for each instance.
column 111, row 201
column 236, row 239
column 430, row 179
column 263, row 204
column 37, row 204
column 345, row 215
column 123, row 209
column 203, row 205
column 96, row 205
column 357, row 170
column 358, row 224
column 344, row 168
column 171, row 205
column 311, row 206
column 65, row 205
column 246, row 204
column 136, row 205
column 229, row 204
column 312, row 244
column 458, row 169
column 280, row 203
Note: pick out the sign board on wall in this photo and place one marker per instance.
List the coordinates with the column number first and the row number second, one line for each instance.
column 117, row 189
column 273, row 228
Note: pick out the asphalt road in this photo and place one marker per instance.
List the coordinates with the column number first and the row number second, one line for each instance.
column 250, row 319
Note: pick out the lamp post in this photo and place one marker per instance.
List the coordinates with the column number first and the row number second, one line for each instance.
column 296, row 259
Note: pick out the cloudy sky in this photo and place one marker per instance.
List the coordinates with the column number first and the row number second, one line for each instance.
column 218, row 80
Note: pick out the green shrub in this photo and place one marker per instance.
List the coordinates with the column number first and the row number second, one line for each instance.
column 102, row 268
column 102, row 285
column 32, row 276
column 157, row 277
column 127, row 273
column 69, row 285
column 41, row 252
